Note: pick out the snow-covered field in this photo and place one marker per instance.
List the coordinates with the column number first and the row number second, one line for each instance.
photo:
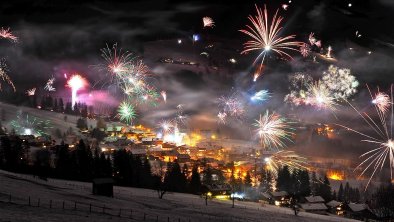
column 130, row 203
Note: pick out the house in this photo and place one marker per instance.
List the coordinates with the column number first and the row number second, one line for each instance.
column 279, row 198
column 358, row 211
column 314, row 204
column 318, row 208
column 335, row 207
column 314, row 199
column 220, row 191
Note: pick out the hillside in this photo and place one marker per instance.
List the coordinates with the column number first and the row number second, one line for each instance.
column 127, row 202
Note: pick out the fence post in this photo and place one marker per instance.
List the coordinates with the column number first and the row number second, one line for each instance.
column 157, row 218
column 168, row 219
column 63, row 204
column 131, row 214
column 75, row 205
column 90, row 208
column 120, row 212
column 144, row 216
column 38, row 202
column 9, row 198
column 104, row 209
column 29, row 201
column 179, row 219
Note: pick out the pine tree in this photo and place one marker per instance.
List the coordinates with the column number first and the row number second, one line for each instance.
column 266, row 182
column 325, row 189
column 284, row 179
column 347, row 193
column 248, row 180
column 305, row 187
column 61, row 105
column 195, row 182
column 315, row 184
column 341, row 196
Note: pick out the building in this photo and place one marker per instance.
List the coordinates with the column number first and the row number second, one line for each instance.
column 279, row 198
column 359, row 212
column 314, row 204
column 335, row 207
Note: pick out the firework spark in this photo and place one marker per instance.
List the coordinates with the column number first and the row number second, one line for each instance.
column 265, row 36
column 117, row 60
column 222, row 117
column 305, row 50
column 273, row 131
column 164, row 95
column 260, row 96
column 208, row 22
column 126, row 112
column 382, row 127
column 49, row 85
column 30, row 125
column 6, row 34
column 232, row 105
column 76, row 82
column 4, row 76
column 283, row 158
column 382, row 102
column 340, row 82
column 31, row 92
column 319, row 95
column 258, row 72
column 299, row 83
column 285, row 6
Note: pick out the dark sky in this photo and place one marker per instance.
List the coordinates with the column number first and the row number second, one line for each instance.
column 57, row 37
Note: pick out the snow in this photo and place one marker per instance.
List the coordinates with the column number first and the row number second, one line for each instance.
column 175, row 206
column 314, row 199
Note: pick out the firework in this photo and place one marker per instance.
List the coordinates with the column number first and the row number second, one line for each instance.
column 285, row 6
column 382, row 137
column 232, row 105
column 382, row 102
column 258, row 72
column 30, row 125
column 164, row 95
column 49, row 85
column 319, row 95
column 117, row 60
column 312, row 39
column 3, row 75
column 260, row 96
column 339, row 82
column 329, row 49
column 208, row 22
column 318, row 44
column 31, row 92
column 166, row 126
column 273, row 131
column 6, row 34
column 76, row 82
column 299, row 83
column 305, row 50
column 283, row 158
column 126, row 112
column 222, row 117
column 265, row 36
column 180, row 118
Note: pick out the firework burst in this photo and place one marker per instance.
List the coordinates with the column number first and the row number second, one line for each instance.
column 208, row 22
column 382, row 102
column 340, row 82
column 117, row 60
column 319, row 96
column 30, row 125
column 126, row 112
column 6, row 34
column 305, row 50
column 283, row 158
column 273, row 131
column 3, row 75
column 164, row 95
column 259, row 70
column 382, row 126
column 222, row 117
column 265, row 36
column 299, row 83
column 31, row 92
column 49, row 85
column 232, row 105
column 260, row 96
column 76, row 82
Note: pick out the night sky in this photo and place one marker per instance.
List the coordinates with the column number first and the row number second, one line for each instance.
column 57, row 37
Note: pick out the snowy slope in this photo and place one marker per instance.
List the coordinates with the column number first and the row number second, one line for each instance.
column 134, row 201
